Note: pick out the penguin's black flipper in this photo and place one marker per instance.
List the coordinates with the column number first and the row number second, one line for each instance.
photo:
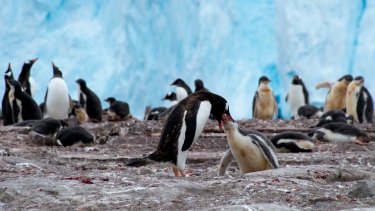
column 15, row 111
column 254, row 101
column 137, row 162
column 191, row 120
column 370, row 106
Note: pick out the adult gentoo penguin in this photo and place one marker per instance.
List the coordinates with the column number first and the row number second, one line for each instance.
column 22, row 104
column 6, row 110
column 48, row 126
column 336, row 97
column 182, row 89
column 359, row 102
column 74, row 135
column 252, row 150
column 172, row 97
column 117, row 110
column 341, row 132
column 293, row 142
column 183, row 127
column 57, row 101
column 27, row 82
column 90, row 101
column 264, row 102
column 297, row 96
column 199, row 86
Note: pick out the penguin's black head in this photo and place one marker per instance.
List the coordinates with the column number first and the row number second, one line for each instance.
column 170, row 96
column 198, row 84
column 81, row 82
column 296, row 80
column 9, row 73
column 359, row 80
column 110, row 100
column 346, row 78
column 56, row 71
column 63, row 123
column 264, row 79
column 220, row 109
column 30, row 62
column 178, row 82
column 14, row 85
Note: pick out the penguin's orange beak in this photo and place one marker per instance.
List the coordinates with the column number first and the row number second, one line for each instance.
column 225, row 118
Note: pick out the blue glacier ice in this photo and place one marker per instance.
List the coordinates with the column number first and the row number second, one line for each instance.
column 133, row 50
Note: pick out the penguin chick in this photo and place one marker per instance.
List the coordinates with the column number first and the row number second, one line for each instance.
column 80, row 113
column 90, row 101
column 293, row 142
column 6, row 109
column 336, row 97
column 252, row 150
column 264, row 102
column 199, row 86
column 182, row 89
column 73, row 135
column 297, row 96
column 335, row 115
column 183, row 126
column 27, row 83
column 309, row 112
column 341, row 132
column 48, row 126
column 172, row 97
column 117, row 110
column 359, row 103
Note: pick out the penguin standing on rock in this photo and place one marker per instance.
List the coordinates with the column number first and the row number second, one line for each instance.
column 27, row 82
column 199, row 86
column 5, row 105
column 336, row 97
column 264, row 102
column 22, row 104
column 252, row 150
column 359, row 102
column 183, row 126
column 90, row 101
column 297, row 96
column 117, row 110
column 293, row 142
column 341, row 132
column 57, row 100
column 182, row 89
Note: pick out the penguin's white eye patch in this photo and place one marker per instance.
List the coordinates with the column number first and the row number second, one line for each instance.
column 226, row 107
column 8, row 73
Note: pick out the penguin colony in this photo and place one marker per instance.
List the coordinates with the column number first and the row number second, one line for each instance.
column 347, row 102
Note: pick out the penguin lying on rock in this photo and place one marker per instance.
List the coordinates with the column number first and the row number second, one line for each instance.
column 309, row 112
column 252, row 150
column 117, row 110
column 335, row 115
column 74, row 135
column 341, row 132
column 293, row 142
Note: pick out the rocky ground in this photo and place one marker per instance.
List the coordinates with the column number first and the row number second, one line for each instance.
column 33, row 175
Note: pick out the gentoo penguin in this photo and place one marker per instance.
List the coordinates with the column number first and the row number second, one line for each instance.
column 23, row 106
column 341, row 132
column 57, row 100
column 172, row 97
column 117, row 110
column 80, row 113
column 182, row 89
column 336, row 97
column 264, row 102
column 252, row 150
column 48, row 126
column 154, row 114
column 359, row 102
column 183, row 127
column 199, row 86
column 297, row 96
column 73, row 135
column 334, row 115
column 293, row 142
column 27, row 82
column 90, row 101
column 5, row 105
column 309, row 112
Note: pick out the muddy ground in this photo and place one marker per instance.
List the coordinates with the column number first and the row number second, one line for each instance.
column 336, row 176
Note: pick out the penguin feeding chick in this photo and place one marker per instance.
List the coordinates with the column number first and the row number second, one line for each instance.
column 336, row 97
column 22, row 104
column 57, row 100
column 264, row 102
column 182, row 89
column 27, row 82
column 90, row 101
column 359, row 102
column 341, row 132
column 293, row 142
column 117, row 110
column 297, row 96
column 252, row 150
column 183, row 126
column 6, row 110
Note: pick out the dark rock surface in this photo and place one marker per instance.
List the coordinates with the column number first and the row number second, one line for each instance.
column 33, row 175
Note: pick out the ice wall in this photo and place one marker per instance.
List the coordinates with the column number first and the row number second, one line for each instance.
column 133, row 50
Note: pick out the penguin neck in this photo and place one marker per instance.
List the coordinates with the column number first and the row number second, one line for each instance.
column 340, row 86
column 231, row 130
column 264, row 87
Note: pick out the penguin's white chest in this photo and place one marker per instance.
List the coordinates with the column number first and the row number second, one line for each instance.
column 57, row 102
column 181, row 93
column 336, row 137
column 12, row 98
column 83, row 96
column 32, row 86
column 296, row 98
column 352, row 95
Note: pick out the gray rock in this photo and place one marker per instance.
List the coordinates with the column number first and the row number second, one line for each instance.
column 363, row 189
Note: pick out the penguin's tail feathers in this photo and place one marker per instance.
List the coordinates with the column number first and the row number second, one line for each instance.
column 137, row 162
